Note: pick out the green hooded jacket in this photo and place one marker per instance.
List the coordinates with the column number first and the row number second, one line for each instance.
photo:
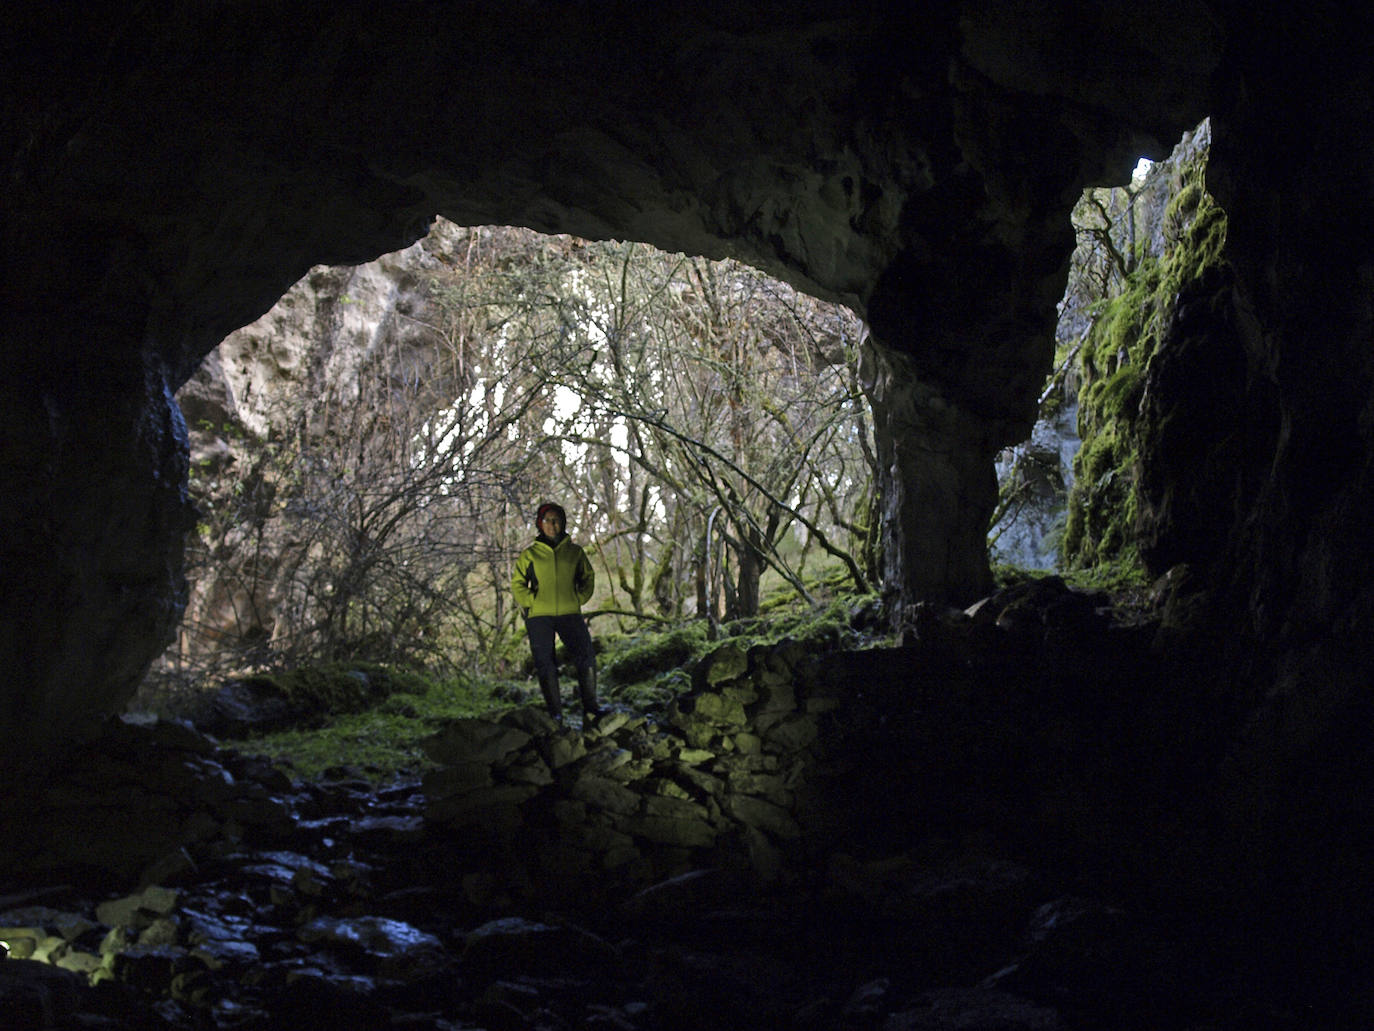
column 552, row 578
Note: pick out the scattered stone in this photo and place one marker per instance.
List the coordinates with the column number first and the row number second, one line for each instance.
column 267, row 903
column 390, row 948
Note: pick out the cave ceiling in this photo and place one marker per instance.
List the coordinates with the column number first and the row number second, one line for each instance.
column 182, row 164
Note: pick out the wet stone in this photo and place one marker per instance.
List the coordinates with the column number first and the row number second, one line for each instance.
column 957, row 1009
column 516, row 946
column 391, row 948
column 217, row 953
column 399, row 829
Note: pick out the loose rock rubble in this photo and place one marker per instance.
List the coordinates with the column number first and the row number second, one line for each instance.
column 628, row 802
column 897, row 839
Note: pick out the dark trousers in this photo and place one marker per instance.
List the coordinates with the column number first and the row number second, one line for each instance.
column 571, row 630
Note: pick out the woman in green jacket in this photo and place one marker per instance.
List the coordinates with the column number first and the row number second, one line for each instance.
column 552, row 581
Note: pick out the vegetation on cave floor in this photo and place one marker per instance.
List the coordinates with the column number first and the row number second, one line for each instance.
column 642, row 671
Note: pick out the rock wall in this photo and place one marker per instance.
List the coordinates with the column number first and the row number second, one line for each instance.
column 323, row 329
column 715, row 784
column 94, row 516
column 1278, row 535
column 299, row 359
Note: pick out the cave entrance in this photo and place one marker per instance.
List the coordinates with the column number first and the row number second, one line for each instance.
column 368, row 455
column 1070, row 496
column 369, row 452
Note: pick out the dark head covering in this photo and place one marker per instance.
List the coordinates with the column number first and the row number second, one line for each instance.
column 549, row 506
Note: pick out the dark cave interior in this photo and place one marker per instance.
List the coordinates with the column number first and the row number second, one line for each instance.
column 172, row 168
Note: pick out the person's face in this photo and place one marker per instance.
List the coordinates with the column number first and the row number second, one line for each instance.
column 550, row 525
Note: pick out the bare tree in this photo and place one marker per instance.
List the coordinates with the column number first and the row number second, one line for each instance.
column 700, row 422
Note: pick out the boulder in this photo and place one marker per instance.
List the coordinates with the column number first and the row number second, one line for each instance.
column 474, row 741
column 390, row 948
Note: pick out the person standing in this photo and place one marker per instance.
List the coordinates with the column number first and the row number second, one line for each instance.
column 553, row 579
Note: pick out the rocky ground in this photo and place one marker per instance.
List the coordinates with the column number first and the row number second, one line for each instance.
column 861, row 840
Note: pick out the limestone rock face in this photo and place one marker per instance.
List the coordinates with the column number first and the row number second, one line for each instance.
column 306, row 350
column 324, row 327
column 1041, row 468
column 94, row 509
column 171, row 170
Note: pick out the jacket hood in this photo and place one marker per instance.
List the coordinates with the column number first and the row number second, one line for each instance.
column 550, row 506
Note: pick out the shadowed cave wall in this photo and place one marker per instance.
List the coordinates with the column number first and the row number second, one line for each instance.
column 172, row 169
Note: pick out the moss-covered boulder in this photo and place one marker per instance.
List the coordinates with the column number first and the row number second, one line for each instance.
column 266, row 702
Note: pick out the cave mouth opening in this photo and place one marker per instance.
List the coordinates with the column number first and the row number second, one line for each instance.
column 367, row 455
column 1071, row 494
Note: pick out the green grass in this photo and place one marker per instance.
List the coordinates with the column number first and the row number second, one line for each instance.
column 382, row 741
column 643, row 671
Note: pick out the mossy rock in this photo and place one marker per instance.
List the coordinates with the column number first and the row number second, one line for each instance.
column 649, row 656
column 267, row 702
column 1103, row 526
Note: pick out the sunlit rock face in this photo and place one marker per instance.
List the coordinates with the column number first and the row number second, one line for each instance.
column 305, row 354
column 171, row 171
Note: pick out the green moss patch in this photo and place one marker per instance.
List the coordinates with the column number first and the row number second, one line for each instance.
column 1102, row 528
column 630, row 660
column 338, row 687
column 645, row 672
column 381, row 741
